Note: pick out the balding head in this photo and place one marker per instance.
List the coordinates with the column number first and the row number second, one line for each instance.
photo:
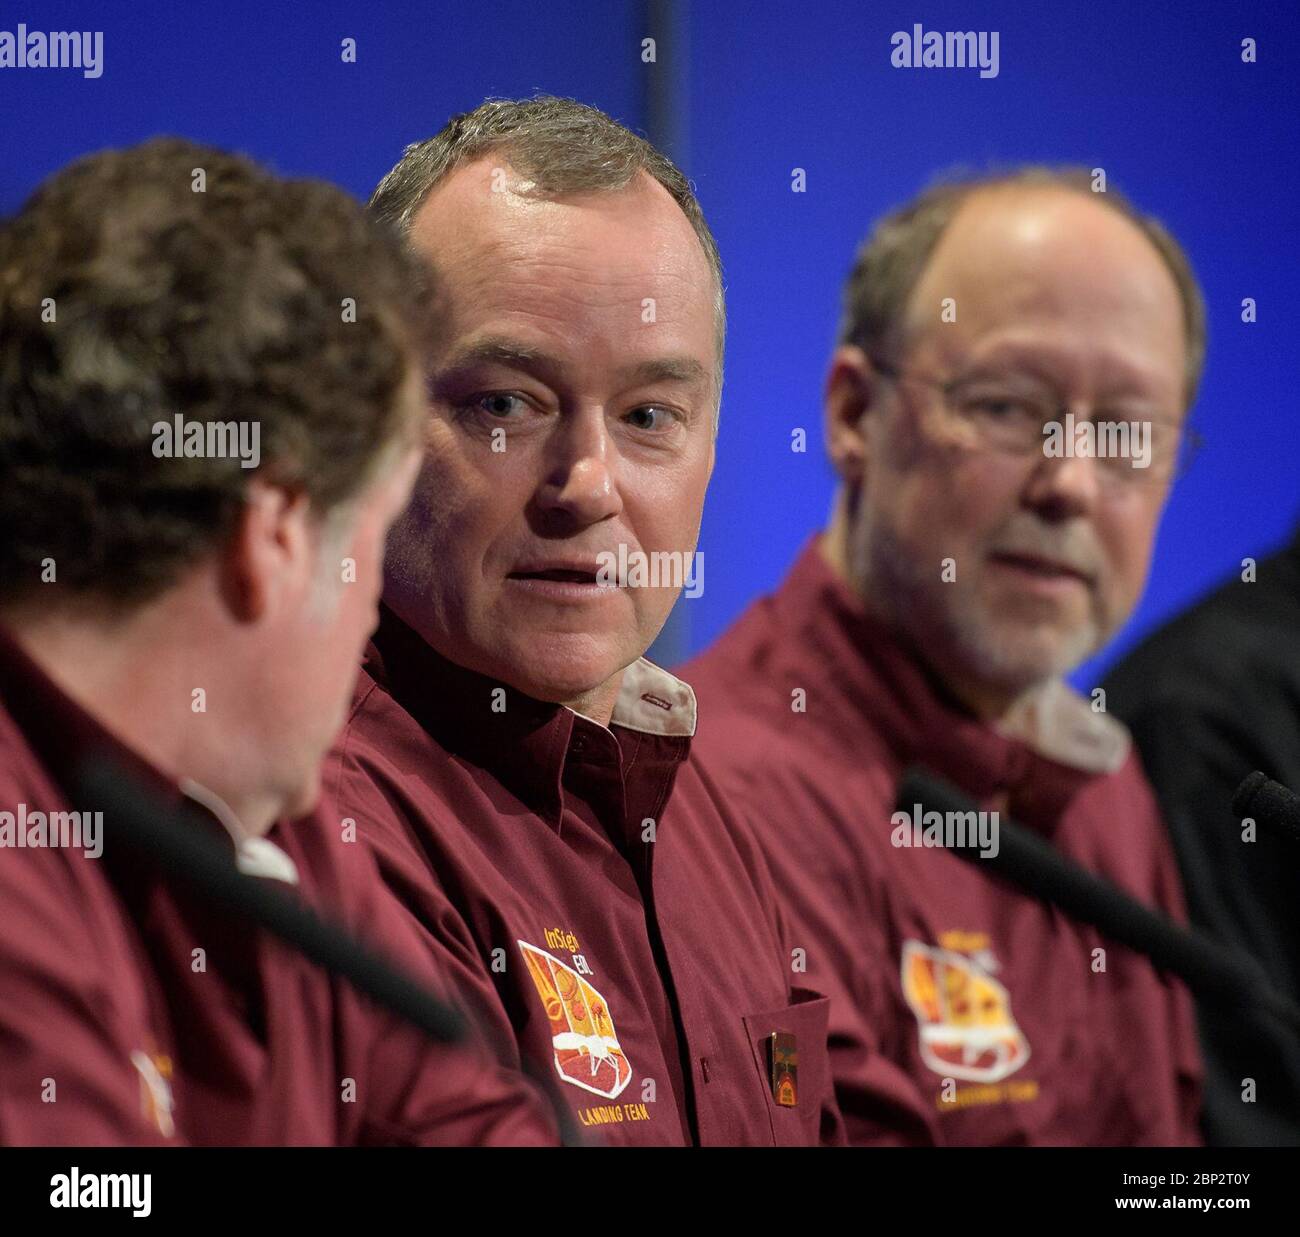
column 894, row 258
column 1033, row 304
column 1037, row 268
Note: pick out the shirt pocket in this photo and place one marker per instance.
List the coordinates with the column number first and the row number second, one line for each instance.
column 807, row 1019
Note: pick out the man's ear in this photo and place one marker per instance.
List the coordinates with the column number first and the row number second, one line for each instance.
column 851, row 392
column 270, row 553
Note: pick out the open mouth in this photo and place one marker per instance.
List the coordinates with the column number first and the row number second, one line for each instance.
column 561, row 575
column 564, row 583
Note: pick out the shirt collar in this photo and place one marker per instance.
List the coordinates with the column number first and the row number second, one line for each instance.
column 920, row 717
column 523, row 742
column 64, row 736
column 652, row 701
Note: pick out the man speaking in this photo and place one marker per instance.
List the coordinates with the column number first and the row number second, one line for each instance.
column 524, row 774
column 1005, row 412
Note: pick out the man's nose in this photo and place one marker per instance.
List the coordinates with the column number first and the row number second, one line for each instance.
column 1065, row 486
column 582, row 483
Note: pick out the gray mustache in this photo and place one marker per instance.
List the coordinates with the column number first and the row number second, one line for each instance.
column 1069, row 552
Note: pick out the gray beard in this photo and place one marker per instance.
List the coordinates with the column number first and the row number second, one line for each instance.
column 912, row 596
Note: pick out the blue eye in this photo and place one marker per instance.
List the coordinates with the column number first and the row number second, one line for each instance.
column 650, row 417
column 498, row 404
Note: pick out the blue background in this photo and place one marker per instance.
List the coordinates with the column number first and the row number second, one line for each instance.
column 1156, row 94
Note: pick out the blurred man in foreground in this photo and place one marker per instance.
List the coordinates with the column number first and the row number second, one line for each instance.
column 202, row 450
column 1005, row 411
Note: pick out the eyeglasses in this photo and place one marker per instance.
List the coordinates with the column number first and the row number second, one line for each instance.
column 1018, row 415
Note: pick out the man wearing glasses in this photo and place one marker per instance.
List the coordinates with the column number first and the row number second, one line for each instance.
column 1005, row 410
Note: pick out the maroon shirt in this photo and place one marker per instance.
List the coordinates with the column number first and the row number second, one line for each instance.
column 597, row 904
column 936, row 970
column 103, row 1010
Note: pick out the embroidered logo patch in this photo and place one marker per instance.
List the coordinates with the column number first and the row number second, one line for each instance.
column 585, row 1043
column 963, row 1014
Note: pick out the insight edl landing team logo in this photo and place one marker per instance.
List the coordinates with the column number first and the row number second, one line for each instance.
column 964, row 1015
column 587, row 1051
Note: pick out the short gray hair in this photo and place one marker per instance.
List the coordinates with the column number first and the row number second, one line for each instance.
column 563, row 147
column 891, row 261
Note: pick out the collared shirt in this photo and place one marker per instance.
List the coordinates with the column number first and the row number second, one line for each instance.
column 131, row 1013
column 600, row 909
column 963, row 1011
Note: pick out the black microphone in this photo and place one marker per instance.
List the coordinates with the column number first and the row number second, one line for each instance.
column 1223, row 975
column 177, row 843
column 1270, row 803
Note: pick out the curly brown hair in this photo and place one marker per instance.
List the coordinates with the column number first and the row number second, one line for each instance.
column 131, row 291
